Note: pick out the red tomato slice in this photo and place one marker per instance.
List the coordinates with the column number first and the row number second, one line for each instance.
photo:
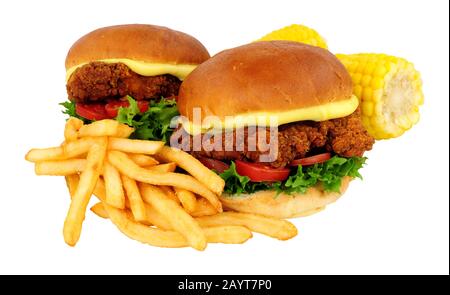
column 214, row 164
column 320, row 158
column 112, row 107
column 259, row 172
column 91, row 111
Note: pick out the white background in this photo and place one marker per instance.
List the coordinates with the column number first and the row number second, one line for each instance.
column 394, row 222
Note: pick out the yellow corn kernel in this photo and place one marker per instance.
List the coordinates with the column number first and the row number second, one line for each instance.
column 356, row 79
column 390, row 90
column 367, row 108
column 365, row 81
column 298, row 33
column 376, row 83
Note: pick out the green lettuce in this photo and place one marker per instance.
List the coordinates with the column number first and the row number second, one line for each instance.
column 153, row 124
column 328, row 174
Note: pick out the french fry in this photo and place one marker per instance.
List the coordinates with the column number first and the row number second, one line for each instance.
column 136, row 203
column 130, row 169
column 143, row 233
column 66, row 151
column 115, row 195
column 135, row 146
column 276, row 228
column 217, row 234
column 46, row 154
column 167, row 167
column 99, row 210
column 156, row 219
column 184, row 160
column 63, row 167
column 143, row 160
column 181, row 221
column 71, row 129
column 81, row 196
column 123, row 131
column 80, row 147
column 152, row 216
column 203, row 208
column 228, row 234
column 72, row 183
column 187, row 199
column 107, row 127
column 100, row 190
column 167, row 190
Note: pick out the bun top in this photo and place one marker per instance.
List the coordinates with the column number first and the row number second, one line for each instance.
column 144, row 43
column 299, row 81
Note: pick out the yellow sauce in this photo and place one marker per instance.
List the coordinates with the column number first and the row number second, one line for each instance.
column 324, row 112
column 145, row 69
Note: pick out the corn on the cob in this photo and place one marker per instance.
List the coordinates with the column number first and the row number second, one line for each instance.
column 390, row 91
column 298, row 33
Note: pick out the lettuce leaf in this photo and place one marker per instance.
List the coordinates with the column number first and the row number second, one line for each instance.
column 69, row 109
column 328, row 174
column 154, row 124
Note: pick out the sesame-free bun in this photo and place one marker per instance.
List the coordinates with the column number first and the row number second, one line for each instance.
column 268, row 203
column 267, row 76
column 146, row 43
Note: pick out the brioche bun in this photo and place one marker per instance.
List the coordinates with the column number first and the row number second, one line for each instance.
column 268, row 203
column 146, row 43
column 267, row 76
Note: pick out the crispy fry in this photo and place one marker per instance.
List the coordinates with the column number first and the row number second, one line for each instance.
column 71, row 129
column 63, row 167
column 187, row 199
column 130, row 169
column 170, row 193
column 217, row 234
column 123, row 131
column 99, row 210
column 46, row 154
column 72, row 183
column 135, row 146
column 153, row 217
column 276, row 228
column 178, row 218
column 210, row 179
column 100, row 190
column 105, row 127
column 66, row 151
column 228, row 234
column 203, row 208
column 81, row 197
column 136, row 203
column 143, row 233
column 167, row 167
column 113, row 184
column 143, row 160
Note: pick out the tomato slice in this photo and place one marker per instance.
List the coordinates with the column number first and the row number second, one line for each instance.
column 320, row 158
column 259, row 172
column 214, row 164
column 112, row 107
column 91, row 111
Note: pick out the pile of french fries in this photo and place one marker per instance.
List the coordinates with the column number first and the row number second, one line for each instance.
column 140, row 192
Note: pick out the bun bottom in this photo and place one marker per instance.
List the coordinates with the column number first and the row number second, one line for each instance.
column 270, row 204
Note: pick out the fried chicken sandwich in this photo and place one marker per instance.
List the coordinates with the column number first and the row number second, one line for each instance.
column 286, row 134
column 131, row 73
